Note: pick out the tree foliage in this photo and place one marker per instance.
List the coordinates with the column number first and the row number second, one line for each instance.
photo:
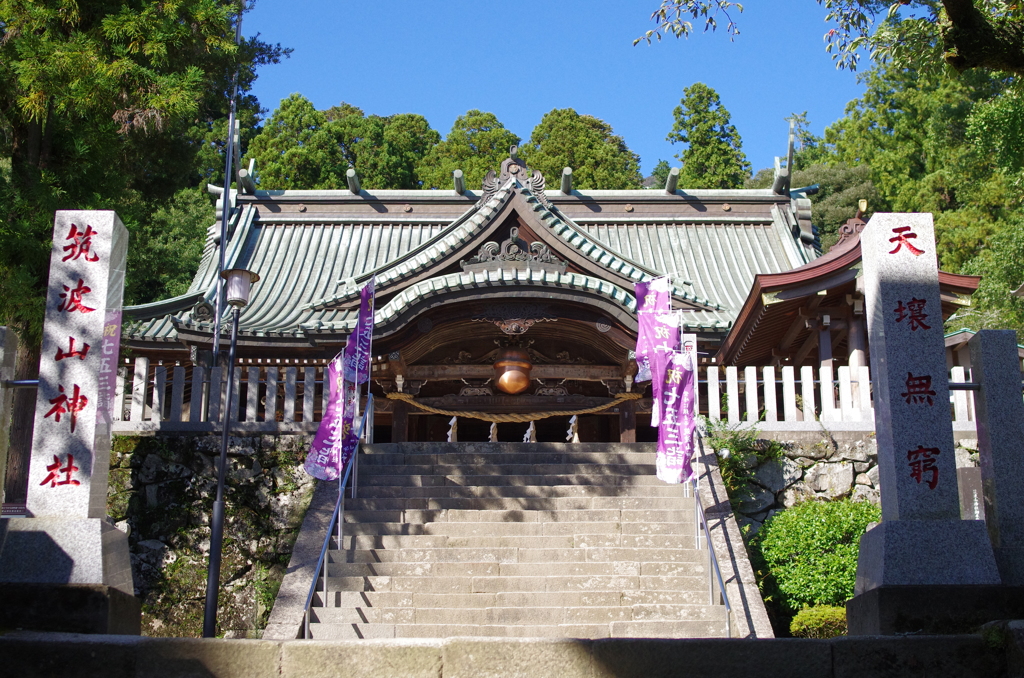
column 599, row 158
column 302, row 148
column 88, row 87
column 476, row 144
column 965, row 34
column 714, row 155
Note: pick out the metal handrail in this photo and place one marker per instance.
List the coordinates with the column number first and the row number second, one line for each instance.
column 339, row 509
column 702, row 521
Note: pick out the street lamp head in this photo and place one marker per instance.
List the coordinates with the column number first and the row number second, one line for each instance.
column 239, row 283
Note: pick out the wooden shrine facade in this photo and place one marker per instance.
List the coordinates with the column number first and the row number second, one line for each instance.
column 468, row 281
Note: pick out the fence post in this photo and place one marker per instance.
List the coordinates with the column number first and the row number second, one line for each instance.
column 789, row 393
column 771, row 406
column 807, row 392
column 8, row 356
column 750, row 377
column 714, row 399
column 732, row 394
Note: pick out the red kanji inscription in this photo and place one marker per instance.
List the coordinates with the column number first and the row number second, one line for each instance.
column 62, row 404
column 903, row 236
column 81, row 244
column 919, row 390
column 72, row 298
column 71, row 352
column 55, row 472
column 922, row 461
column 914, row 312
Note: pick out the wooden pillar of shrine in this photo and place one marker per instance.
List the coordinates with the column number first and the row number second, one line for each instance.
column 400, row 422
column 627, row 422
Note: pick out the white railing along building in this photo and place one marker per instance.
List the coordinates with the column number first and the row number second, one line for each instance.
column 275, row 397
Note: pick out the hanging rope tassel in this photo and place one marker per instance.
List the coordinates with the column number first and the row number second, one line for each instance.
column 494, row 432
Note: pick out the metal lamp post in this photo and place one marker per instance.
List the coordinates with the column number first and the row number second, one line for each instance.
column 238, row 283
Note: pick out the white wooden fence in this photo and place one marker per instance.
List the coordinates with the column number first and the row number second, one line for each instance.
column 290, row 398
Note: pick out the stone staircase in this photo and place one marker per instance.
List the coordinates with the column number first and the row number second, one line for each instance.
column 521, row 540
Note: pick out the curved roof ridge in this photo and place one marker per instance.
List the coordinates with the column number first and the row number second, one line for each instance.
column 457, row 233
column 600, row 252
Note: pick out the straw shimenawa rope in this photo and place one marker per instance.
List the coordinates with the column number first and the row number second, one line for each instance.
column 504, row 418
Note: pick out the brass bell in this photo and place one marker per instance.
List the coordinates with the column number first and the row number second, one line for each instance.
column 512, row 370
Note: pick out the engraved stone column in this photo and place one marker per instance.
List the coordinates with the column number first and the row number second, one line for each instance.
column 921, row 539
column 66, row 539
column 1000, row 410
column 8, row 355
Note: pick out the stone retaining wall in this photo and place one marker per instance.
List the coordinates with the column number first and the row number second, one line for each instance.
column 161, row 493
column 821, row 465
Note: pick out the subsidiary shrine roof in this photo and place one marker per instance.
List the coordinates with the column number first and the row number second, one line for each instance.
column 512, row 240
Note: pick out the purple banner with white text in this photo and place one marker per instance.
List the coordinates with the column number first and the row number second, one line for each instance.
column 357, row 349
column 653, row 300
column 324, row 453
column 678, row 416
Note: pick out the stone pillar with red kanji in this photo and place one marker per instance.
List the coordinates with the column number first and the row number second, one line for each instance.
column 921, row 539
column 66, row 539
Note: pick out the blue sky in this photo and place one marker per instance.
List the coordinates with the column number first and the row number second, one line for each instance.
column 521, row 59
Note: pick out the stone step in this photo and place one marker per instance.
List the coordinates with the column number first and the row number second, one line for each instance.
column 667, row 555
column 469, row 459
column 370, row 503
column 499, row 584
column 430, row 480
column 456, row 568
column 547, row 491
column 484, row 529
column 381, row 542
column 521, row 469
column 421, row 516
column 531, row 615
column 625, row 629
column 408, row 599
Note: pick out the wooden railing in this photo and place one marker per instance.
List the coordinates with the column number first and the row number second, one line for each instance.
column 290, row 398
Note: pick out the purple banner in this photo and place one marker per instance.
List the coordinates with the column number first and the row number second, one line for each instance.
column 324, row 453
column 653, row 300
column 654, row 295
column 678, row 420
column 661, row 337
column 357, row 349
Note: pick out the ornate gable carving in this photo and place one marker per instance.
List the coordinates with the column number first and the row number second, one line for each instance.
column 514, row 253
column 512, row 166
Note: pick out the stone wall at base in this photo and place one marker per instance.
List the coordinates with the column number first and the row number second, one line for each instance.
column 816, row 466
column 41, row 655
column 161, row 493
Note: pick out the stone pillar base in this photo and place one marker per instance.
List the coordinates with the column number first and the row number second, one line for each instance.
column 926, row 553
column 70, row 608
column 936, row 609
column 58, row 551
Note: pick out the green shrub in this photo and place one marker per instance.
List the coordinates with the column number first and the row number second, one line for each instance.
column 810, row 551
column 820, row 621
column 741, row 441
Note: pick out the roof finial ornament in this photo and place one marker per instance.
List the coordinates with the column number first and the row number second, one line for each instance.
column 513, row 152
column 511, row 167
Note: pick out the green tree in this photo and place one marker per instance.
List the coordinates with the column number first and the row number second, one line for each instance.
column 598, row 157
column 477, row 143
column 840, row 188
column 383, row 150
column 100, row 104
column 965, row 34
column 659, row 175
column 714, row 155
column 297, row 150
column 301, row 147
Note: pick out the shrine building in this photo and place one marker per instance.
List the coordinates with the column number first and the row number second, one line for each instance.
column 515, row 298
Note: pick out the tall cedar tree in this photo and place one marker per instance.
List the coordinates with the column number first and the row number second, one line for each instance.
column 477, row 142
column 714, row 156
column 598, row 157
column 301, row 147
column 86, row 87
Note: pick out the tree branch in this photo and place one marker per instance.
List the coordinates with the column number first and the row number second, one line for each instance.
column 975, row 39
